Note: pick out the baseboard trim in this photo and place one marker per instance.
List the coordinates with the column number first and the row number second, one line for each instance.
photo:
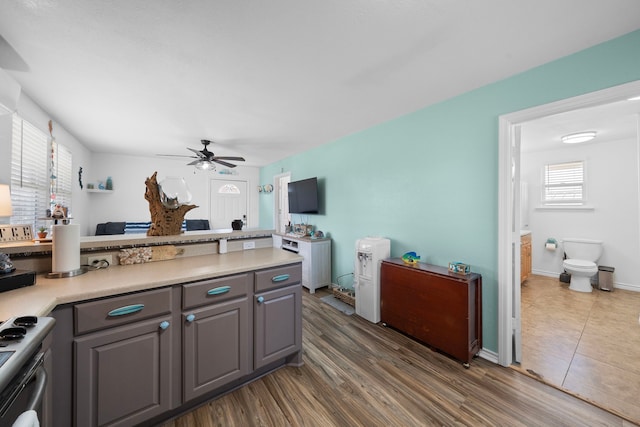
column 489, row 355
column 617, row 285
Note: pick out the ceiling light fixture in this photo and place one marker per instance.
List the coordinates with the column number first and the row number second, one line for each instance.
column 204, row 165
column 578, row 137
column 634, row 98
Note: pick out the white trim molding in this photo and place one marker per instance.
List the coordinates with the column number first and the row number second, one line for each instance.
column 506, row 239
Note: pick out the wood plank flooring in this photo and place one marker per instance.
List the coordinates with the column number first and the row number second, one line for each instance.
column 360, row 374
column 585, row 343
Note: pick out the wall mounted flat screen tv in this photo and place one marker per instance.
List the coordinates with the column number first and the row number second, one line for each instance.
column 303, row 196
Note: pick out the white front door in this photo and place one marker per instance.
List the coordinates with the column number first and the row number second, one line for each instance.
column 227, row 201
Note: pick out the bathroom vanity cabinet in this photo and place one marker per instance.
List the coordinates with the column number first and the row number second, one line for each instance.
column 525, row 257
column 439, row 308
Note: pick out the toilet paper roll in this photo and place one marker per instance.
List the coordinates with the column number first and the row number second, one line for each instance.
column 222, row 246
column 66, row 248
column 550, row 246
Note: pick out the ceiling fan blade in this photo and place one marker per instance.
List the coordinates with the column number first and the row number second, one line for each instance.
column 176, row 155
column 223, row 163
column 200, row 154
column 238, row 159
column 195, row 162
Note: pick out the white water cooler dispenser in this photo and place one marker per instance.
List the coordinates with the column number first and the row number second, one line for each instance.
column 370, row 252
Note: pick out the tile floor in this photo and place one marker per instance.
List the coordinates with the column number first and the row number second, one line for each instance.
column 585, row 343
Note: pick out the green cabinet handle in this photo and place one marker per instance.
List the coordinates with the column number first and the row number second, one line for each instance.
column 219, row 290
column 127, row 309
column 280, row 278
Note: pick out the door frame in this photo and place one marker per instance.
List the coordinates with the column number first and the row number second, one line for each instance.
column 277, row 194
column 508, row 325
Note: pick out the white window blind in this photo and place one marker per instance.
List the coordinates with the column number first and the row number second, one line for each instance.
column 564, row 184
column 61, row 170
column 29, row 179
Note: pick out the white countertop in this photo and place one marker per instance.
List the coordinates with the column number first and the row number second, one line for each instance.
column 46, row 294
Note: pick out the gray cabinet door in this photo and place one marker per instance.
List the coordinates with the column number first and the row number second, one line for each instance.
column 123, row 374
column 216, row 346
column 277, row 324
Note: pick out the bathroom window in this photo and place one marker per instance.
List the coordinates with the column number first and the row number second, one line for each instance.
column 564, row 184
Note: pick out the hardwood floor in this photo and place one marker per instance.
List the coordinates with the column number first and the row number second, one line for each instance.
column 585, row 343
column 360, row 374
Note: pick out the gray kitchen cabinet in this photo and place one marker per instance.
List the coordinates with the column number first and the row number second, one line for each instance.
column 141, row 358
column 277, row 315
column 216, row 336
column 123, row 364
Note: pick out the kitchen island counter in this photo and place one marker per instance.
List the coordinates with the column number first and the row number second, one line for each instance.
column 47, row 293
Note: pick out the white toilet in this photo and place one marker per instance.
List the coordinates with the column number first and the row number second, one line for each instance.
column 582, row 255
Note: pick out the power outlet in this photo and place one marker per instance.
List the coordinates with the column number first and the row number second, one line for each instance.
column 249, row 245
column 99, row 260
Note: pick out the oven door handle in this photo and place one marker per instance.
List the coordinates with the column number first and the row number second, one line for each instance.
column 38, row 392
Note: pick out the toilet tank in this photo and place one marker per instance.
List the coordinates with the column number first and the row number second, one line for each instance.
column 585, row 249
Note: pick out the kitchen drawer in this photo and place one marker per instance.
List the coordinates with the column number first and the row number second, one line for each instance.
column 215, row 290
column 273, row 278
column 110, row 312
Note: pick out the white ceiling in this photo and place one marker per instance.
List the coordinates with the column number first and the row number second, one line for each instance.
column 268, row 79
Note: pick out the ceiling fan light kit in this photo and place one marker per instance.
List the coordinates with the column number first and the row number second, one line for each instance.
column 204, row 166
column 205, row 159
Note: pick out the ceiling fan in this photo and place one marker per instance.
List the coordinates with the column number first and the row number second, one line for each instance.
column 205, row 159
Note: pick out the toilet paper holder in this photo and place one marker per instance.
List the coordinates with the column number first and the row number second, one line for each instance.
column 551, row 244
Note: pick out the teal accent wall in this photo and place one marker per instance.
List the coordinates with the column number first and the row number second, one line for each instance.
column 429, row 180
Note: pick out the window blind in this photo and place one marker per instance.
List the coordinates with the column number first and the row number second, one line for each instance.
column 61, row 184
column 564, row 183
column 29, row 180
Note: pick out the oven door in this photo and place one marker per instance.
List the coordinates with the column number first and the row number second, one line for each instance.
column 25, row 392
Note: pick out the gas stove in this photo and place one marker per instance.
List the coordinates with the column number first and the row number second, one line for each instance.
column 20, row 340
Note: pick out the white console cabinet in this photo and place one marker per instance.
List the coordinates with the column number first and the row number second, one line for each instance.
column 316, row 266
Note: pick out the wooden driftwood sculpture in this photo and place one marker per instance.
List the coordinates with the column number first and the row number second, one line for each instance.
column 164, row 221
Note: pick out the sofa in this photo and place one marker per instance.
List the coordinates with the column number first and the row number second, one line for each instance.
column 131, row 227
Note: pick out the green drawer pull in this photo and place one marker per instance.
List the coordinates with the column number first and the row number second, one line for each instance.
column 280, row 278
column 127, row 309
column 219, row 290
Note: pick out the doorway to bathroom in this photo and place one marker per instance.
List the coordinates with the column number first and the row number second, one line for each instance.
column 513, row 128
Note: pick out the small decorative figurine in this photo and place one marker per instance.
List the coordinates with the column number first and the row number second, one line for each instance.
column 410, row 258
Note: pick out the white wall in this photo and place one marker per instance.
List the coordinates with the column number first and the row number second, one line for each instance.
column 612, row 190
column 127, row 202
